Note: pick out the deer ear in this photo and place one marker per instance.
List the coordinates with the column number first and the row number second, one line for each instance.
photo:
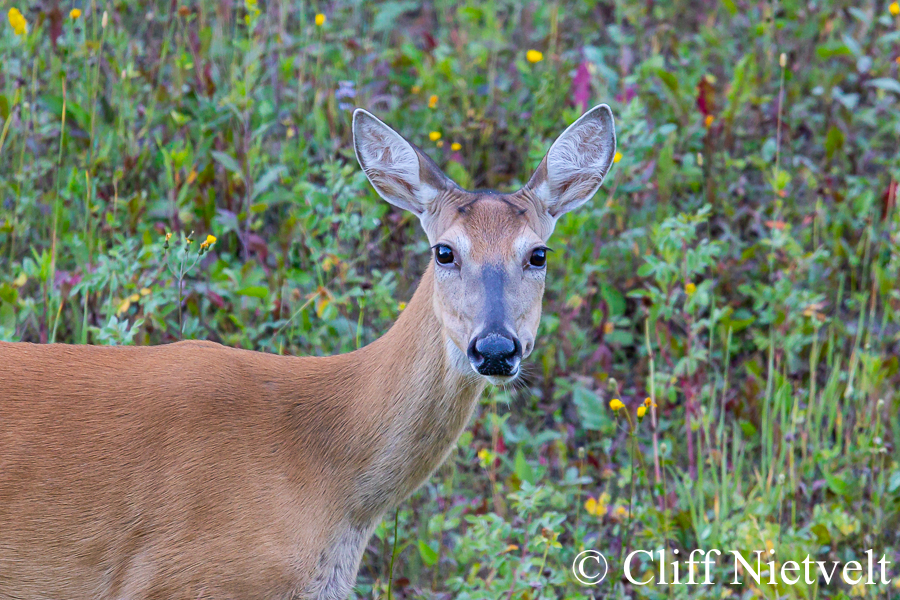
column 576, row 163
column 400, row 173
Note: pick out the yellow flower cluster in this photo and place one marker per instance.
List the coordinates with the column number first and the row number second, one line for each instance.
column 125, row 304
column 320, row 20
column 74, row 13
column 599, row 506
column 642, row 410
column 894, row 8
column 18, row 22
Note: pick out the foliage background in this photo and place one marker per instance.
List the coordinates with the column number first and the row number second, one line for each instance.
column 739, row 266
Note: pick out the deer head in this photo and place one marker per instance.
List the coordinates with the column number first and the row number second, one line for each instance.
column 490, row 248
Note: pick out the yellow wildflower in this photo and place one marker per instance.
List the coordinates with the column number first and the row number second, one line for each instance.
column 432, row 101
column 145, row 291
column 209, row 241
column 617, row 157
column 597, row 507
column 616, row 404
column 320, row 20
column 485, row 457
column 641, row 411
column 534, row 56
column 709, row 120
column 401, row 305
column 18, row 22
column 434, row 136
column 455, row 146
column 689, row 289
column 74, row 13
column 894, row 8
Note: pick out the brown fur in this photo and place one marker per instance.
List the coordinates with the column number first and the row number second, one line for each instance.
column 197, row 471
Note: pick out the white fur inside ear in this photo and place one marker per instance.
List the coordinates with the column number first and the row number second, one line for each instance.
column 390, row 163
column 579, row 160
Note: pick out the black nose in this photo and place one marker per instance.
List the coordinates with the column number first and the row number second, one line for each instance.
column 495, row 353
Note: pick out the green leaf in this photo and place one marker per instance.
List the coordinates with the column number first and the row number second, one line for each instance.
column 226, row 161
column 823, row 536
column 265, row 182
column 523, row 470
column 834, row 141
column 591, row 411
column 885, row 83
column 387, row 15
column 428, row 552
column 670, row 80
column 645, row 270
column 894, row 484
column 837, row 485
column 75, row 115
column 614, row 299
column 254, row 291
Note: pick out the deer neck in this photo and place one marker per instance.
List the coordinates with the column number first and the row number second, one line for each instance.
column 417, row 396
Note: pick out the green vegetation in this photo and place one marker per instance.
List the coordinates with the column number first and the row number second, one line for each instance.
column 739, row 267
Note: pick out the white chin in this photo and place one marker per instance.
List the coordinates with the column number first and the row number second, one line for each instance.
column 502, row 379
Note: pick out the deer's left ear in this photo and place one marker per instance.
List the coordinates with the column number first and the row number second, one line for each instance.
column 576, row 163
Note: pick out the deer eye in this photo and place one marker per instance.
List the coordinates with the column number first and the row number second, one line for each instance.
column 443, row 254
column 538, row 258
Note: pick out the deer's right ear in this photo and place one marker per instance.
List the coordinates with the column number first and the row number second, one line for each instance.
column 399, row 172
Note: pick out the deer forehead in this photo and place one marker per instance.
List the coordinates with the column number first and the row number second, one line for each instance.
column 488, row 227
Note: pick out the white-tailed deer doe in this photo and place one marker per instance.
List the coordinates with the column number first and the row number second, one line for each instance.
column 193, row 470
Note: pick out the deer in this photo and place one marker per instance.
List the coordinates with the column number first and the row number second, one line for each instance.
column 194, row 470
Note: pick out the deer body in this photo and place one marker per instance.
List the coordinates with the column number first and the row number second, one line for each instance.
column 143, row 463
column 193, row 470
